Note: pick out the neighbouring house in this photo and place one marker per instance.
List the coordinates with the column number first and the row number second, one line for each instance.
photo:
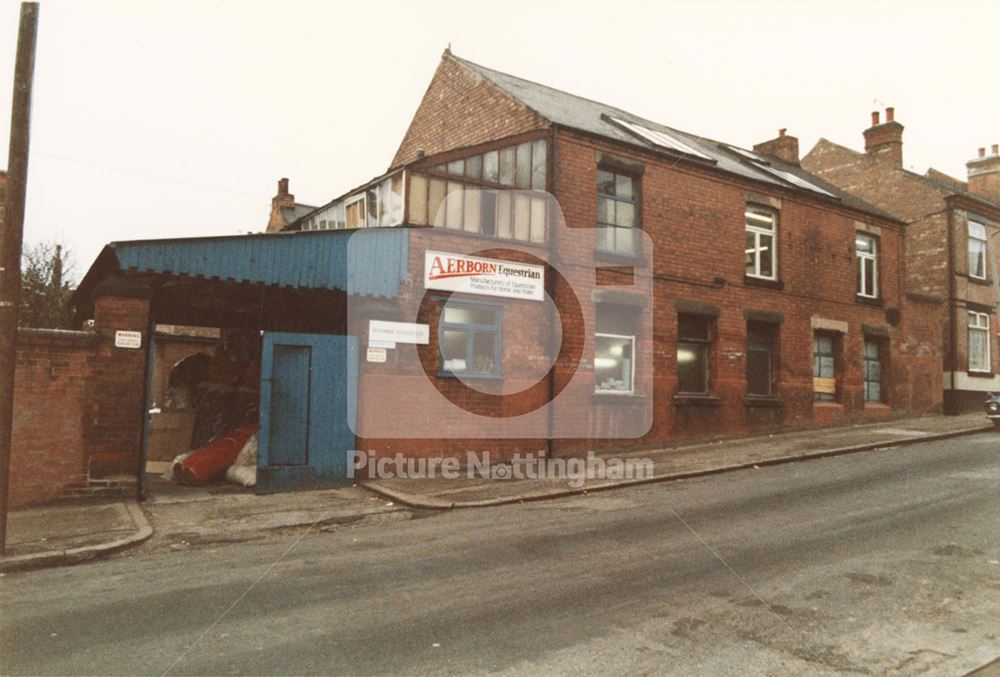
column 284, row 209
column 537, row 273
column 951, row 251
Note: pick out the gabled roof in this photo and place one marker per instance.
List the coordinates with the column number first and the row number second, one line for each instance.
column 947, row 185
column 576, row 112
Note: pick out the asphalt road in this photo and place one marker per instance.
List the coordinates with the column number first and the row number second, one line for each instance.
column 885, row 562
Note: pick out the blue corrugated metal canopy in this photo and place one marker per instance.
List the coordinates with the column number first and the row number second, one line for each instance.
column 365, row 262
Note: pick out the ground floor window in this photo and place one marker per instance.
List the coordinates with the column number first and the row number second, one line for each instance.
column 469, row 336
column 614, row 348
column 614, row 365
column 825, row 367
column 760, row 358
column 694, row 345
column 873, row 370
column 979, row 342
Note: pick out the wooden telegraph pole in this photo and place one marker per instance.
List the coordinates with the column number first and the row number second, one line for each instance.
column 11, row 236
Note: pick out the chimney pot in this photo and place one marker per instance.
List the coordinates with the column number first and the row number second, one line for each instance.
column 874, row 118
column 781, row 132
column 282, row 186
column 890, row 114
column 982, row 152
column 996, row 149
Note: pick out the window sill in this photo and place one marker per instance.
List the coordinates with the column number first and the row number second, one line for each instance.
column 878, row 406
column 826, row 404
column 618, row 257
column 609, row 397
column 984, row 281
column 869, row 301
column 764, row 401
column 752, row 281
column 468, row 377
column 979, row 374
column 696, row 400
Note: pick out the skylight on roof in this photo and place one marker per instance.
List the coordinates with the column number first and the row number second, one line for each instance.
column 658, row 138
column 797, row 181
column 749, row 155
column 761, row 163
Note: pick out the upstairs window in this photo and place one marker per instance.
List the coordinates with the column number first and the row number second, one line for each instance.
column 761, row 243
column 977, row 250
column 866, row 252
column 617, row 208
column 979, row 342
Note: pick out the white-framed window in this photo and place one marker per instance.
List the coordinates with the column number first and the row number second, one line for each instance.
column 977, row 250
column 761, row 243
column 979, row 341
column 866, row 251
column 355, row 213
column 614, row 363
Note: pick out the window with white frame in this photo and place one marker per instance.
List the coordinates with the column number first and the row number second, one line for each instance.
column 979, row 342
column 866, row 251
column 614, row 349
column 614, row 366
column 761, row 243
column 977, row 250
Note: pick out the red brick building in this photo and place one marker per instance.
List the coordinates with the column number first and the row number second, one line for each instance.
column 760, row 317
column 950, row 243
column 637, row 286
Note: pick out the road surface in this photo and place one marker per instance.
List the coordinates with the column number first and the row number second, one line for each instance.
column 885, row 562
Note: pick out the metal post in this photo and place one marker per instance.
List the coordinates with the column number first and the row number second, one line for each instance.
column 11, row 235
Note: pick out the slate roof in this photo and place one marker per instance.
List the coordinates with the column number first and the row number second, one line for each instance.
column 569, row 110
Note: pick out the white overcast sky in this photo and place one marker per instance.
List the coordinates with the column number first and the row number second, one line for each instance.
column 163, row 119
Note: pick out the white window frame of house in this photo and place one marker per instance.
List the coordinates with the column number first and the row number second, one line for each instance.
column 867, row 259
column 761, row 223
column 977, row 249
column 364, row 209
column 631, row 378
column 979, row 323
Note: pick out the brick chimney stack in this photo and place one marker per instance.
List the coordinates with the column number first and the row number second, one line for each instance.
column 783, row 147
column 984, row 174
column 885, row 141
column 283, row 198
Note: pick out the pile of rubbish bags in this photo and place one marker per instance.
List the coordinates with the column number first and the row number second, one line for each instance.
column 231, row 456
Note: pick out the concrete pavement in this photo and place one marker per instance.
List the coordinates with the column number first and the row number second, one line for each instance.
column 679, row 462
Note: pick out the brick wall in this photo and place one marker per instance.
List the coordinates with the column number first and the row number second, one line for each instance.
column 78, row 403
column 50, row 412
column 460, row 109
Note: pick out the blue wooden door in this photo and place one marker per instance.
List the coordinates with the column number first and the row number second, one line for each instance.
column 308, row 399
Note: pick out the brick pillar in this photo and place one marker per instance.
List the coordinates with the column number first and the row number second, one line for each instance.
column 115, row 399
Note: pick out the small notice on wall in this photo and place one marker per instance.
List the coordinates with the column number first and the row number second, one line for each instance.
column 128, row 339
column 376, row 354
